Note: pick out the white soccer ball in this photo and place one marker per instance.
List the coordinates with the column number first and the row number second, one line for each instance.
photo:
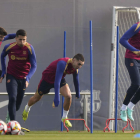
column 13, row 127
column 3, row 128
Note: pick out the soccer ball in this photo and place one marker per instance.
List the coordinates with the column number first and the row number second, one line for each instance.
column 3, row 128
column 13, row 127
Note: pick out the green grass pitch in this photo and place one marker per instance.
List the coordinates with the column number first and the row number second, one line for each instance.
column 71, row 135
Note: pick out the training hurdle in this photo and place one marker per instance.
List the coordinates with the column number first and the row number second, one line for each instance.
column 108, row 121
column 77, row 120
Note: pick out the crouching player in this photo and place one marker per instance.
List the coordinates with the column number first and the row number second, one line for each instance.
column 53, row 77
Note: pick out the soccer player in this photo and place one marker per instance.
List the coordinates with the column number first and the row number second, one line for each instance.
column 54, row 77
column 3, row 37
column 131, row 41
column 21, row 67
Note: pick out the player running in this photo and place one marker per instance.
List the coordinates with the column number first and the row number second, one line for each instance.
column 21, row 67
column 54, row 77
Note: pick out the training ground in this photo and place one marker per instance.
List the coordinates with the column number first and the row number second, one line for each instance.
column 71, row 135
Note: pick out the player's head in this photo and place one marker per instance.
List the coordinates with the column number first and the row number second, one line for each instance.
column 21, row 37
column 78, row 61
column 3, row 33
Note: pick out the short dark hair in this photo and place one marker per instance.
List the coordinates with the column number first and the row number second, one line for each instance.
column 21, row 32
column 3, row 31
column 79, row 57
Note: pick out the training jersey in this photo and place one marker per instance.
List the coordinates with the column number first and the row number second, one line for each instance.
column 131, row 41
column 22, row 60
column 49, row 73
column 57, row 70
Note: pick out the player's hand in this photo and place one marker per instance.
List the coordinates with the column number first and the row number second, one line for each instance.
column 1, row 78
column 27, row 84
column 56, row 103
column 53, row 105
column 77, row 96
column 137, row 53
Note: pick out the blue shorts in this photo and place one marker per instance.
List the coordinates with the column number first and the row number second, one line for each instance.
column 44, row 87
column 133, row 67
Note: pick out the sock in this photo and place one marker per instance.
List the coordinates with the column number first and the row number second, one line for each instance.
column 7, row 113
column 124, row 107
column 27, row 108
column 65, row 113
column 131, row 105
column 7, row 116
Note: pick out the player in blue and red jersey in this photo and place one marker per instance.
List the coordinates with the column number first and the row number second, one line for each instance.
column 54, row 77
column 131, row 41
column 3, row 37
column 21, row 67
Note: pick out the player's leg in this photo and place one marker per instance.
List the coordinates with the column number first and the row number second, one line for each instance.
column 11, row 87
column 133, row 70
column 31, row 102
column 43, row 88
column 65, row 91
column 134, row 99
column 21, row 91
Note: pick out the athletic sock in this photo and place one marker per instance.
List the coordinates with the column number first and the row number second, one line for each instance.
column 27, row 108
column 65, row 113
column 124, row 107
column 131, row 105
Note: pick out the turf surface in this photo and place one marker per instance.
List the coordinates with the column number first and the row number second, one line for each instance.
column 71, row 135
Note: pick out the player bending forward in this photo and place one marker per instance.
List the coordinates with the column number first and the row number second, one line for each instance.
column 54, row 77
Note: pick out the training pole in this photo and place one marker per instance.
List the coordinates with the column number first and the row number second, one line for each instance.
column 91, row 77
column 117, row 64
column 64, row 55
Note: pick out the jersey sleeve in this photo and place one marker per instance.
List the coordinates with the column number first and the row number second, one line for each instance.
column 76, row 83
column 58, row 76
column 32, row 58
column 127, row 35
column 3, row 60
column 9, row 36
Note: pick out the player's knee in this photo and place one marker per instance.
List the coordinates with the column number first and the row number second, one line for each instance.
column 69, row 97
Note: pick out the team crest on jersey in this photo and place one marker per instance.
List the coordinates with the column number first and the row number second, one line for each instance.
column 96, row 100
column 13, row 57
column 24, row 52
